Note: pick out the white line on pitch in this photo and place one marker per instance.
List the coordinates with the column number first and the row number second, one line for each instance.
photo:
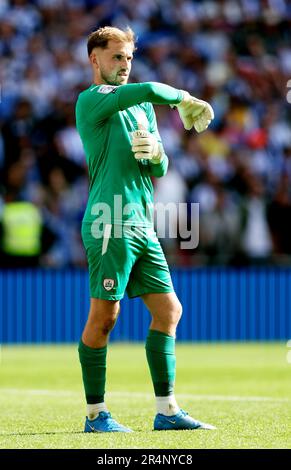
column 147, row 396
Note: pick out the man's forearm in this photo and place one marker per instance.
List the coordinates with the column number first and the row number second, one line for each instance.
column 150, row 92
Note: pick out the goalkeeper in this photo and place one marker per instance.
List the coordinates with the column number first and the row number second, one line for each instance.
column 117, row 124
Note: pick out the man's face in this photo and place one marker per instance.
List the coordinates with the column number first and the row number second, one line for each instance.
column 113, row 64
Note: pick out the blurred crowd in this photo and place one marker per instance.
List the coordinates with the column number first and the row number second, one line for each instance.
column 234, row 54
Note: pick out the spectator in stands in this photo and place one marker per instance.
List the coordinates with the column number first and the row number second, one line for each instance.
column 234, row 54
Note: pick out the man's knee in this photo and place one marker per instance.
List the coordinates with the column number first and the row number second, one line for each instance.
column 176, row 312
column 110, row 319
column 105, row 316
column 171, row 315
column 166, row 309
column 108, row 325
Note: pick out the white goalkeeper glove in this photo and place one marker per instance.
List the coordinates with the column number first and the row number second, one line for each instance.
column 194, row 112
column 145, row 146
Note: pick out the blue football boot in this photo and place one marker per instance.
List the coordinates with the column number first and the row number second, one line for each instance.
column 178, row 422
column 104, row 423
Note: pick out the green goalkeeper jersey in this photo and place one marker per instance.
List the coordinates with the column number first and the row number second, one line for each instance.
column 120, row 187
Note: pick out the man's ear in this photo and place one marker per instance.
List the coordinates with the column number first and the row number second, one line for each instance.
column 93, row 59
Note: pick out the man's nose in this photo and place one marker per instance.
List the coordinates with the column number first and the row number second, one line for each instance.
column 126, row 63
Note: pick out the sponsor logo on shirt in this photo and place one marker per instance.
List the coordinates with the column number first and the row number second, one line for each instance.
column 105, row 89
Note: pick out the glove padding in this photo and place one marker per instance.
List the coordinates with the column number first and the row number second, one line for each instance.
column 195, row 113
column 145, row 146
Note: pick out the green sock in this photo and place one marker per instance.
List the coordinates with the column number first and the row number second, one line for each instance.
column 93, row 363
column 160, row 352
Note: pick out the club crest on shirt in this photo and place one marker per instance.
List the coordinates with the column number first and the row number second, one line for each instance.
column 105, row 89
column 108, row 284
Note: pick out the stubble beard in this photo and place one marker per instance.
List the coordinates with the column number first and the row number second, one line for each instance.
column 114, row 80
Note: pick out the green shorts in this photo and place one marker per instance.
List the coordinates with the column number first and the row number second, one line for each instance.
column 135, row 264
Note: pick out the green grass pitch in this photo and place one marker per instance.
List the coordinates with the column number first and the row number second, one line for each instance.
column 242, row 388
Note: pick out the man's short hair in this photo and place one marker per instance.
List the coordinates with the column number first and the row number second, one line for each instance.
column 101, row 36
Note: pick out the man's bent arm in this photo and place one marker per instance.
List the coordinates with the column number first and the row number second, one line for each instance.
column 151, row 92
column 102, row 105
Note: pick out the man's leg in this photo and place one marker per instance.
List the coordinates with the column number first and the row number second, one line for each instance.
column 92, row 353
column 101, row 320
column 166, row 312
